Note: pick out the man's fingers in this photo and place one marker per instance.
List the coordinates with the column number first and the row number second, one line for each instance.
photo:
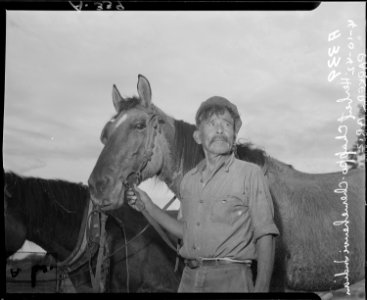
column 131, row 202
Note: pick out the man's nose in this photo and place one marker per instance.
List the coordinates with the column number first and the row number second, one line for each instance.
column 219, row 127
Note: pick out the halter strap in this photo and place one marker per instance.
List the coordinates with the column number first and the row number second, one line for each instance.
column 152, row 128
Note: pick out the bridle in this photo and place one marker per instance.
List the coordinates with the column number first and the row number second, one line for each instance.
column 90, row 246
column 128, row 182
column 135, row 177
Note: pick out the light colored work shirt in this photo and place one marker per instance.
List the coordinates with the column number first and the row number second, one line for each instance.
column 225, row 215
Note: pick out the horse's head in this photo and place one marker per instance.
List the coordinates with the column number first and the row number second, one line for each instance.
column 132, row 139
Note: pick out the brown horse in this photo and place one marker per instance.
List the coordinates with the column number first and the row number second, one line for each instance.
column 319, row 240
column 49, row 212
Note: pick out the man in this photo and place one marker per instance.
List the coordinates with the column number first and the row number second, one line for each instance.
column 226, row 214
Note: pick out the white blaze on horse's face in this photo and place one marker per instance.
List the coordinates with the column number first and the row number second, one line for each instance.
column 112, row 125
column 120, row 120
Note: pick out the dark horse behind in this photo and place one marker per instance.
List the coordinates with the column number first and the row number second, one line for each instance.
column 49, row 213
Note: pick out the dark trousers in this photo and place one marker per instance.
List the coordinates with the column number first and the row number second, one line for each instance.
column 227, row 278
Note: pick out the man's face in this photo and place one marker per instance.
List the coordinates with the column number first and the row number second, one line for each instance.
column 216, row 133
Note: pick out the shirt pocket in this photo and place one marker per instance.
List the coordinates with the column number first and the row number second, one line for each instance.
column 227, row 209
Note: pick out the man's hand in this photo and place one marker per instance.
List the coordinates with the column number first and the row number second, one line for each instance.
column 138, row 199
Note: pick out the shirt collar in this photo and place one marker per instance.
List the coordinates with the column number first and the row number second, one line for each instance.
column 229, row 162
column 226, row 163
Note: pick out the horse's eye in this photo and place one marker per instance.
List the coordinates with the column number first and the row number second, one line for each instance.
column 140, row 126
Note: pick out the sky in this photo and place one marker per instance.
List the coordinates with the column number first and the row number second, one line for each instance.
column 60, row 68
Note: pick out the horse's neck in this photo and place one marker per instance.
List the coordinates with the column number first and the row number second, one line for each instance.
column 54, row 247
column 51, row 227
column 58, row 245
column 287, row 172
column 279, row 167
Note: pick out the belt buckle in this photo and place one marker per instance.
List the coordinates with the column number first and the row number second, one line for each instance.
column 192, row 263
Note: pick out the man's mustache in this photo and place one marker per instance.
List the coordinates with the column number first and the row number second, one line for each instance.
column 219, row 138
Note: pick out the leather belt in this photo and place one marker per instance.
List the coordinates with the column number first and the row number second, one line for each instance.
column 196, row 263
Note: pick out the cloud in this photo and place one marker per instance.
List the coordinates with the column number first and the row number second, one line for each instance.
column 22, row 164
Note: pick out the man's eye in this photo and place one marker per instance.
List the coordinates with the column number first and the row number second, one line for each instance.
column 140, row 126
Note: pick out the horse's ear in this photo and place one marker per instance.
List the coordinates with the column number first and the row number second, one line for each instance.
column 144, row 91
column 116, row 98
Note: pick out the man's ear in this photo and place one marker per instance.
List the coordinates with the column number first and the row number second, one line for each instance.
column 197, row 137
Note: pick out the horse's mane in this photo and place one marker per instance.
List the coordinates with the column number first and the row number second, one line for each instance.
column 248, row 152
column 42, row 201
column 189, row 152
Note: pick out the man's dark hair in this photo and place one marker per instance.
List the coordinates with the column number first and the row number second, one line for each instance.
column 215, row 109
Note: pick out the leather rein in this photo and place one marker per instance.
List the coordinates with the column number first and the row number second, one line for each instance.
column 91, row 238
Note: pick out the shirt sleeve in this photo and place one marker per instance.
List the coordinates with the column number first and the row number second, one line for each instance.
column 261, row 205
column 179, row 215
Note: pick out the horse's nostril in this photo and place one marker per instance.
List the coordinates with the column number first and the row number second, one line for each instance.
column 101, row 184
column 106, row 202
column 101, row 203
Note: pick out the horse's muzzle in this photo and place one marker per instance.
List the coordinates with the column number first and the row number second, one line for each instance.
column 103, row 204
column 98, row 187
column 109, row 199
